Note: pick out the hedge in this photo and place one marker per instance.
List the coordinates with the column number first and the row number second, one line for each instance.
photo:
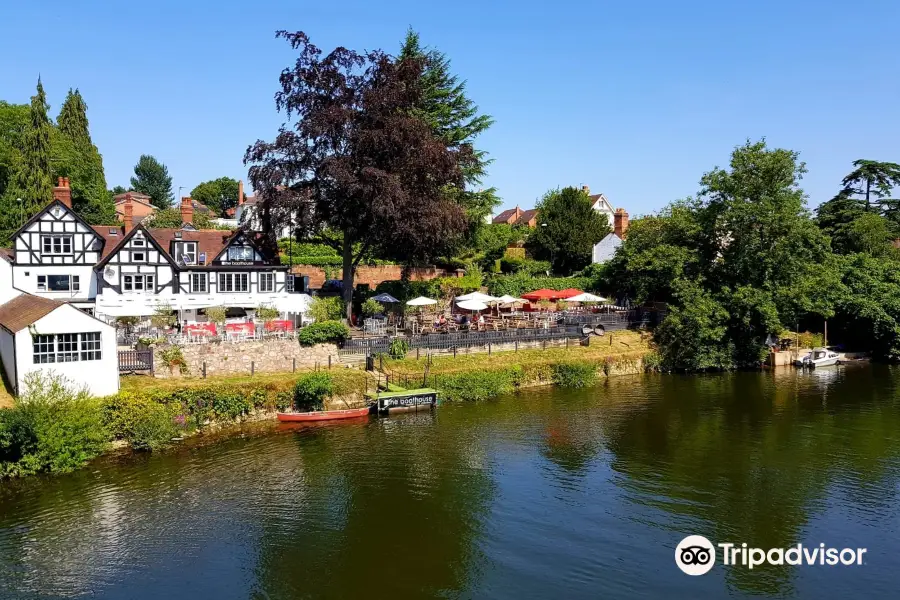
column 522, row 283
column 325, row 331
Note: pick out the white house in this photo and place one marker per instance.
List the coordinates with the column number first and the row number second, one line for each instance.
column 601, row 204
column 128, row 270
column 39, row 334
column 7, row 291
column 606, row 248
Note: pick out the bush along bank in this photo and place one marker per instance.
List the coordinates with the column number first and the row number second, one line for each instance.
column 57, row 428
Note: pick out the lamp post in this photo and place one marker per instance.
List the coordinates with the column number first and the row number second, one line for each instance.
column 552, row 251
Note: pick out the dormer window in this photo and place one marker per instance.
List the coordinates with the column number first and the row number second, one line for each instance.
column 186, row 252
column 242, row 253
column 58, row 245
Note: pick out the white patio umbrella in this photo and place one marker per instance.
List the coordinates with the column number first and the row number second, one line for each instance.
column 477, row 296
column 507, row 299
column 586, row 297
column 421, row 301
column 471, row 305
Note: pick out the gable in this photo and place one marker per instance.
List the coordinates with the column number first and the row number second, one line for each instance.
column 241, row 249
column 600, row 203
column 605, row 249
column 56, row 236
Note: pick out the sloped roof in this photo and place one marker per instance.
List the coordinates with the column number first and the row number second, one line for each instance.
column 527, row 215
column 595, row 198
column 7, row 254
column 209, row 241
column 505, row 215
column 135, row 197
column 110, row 241
column 25, row 310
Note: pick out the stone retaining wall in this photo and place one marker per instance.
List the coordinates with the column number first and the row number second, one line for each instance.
column 267, row 356
column 370, row 275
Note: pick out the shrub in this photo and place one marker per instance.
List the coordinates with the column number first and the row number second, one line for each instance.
column 652, row 363
column 266, row 313
column 398, row 349
column 323, row 331
column 574, row 374
column 479, row 385
column 327, row 308
column 231, row 404
column 216, row 314
column 54, row 427
column 173, row 357
column 372, row 307
column 311, row 390
column 163, row 317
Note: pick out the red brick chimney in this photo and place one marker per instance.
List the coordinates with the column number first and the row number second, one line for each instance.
column 586, row 189
column 187, row 211
column 620, row 223
column 63, row 192
column 240, row 192
column 128, row 214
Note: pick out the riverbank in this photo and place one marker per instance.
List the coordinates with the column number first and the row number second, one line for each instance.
column 148, row 413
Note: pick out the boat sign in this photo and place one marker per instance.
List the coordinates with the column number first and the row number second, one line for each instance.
column 407, row 399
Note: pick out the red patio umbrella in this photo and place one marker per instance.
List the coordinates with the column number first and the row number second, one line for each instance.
column 542, row 294
column 567, row 293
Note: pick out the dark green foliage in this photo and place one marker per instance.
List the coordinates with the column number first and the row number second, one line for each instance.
column 151, row 177
column 455, row 118
column 872, row 181
column 33, row 177
column 53, row 427
column 574, row 374
column 322, row 332
column 567, row 230
column 533, row 268
column 231, row 405
column 170, row 218
column 311, row 391
column 479, row 385
column 326, row 308
column 218, row 194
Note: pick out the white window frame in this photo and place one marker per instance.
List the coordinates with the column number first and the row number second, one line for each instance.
column 130, row 283
column 269, row 277
column 49, row 243
column 228, row 282
column 187, row 252
column 43, row 349
column 91, row 346
column 43, row 283
column 194, row 278
column 141, row 253
column 243, row 249
column 66, row 347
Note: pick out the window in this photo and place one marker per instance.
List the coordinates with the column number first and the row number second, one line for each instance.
column 138, row 242
column 113, row 231
column 234, row 282
column 90, row 346
column 240, row 253
column 289, row 283
column 138, row 283
column 58, row 283
column 186, row 252
column 267, row 282
column 198, row 283
column 138, row 256
column 66, row 347
column 44, row 349
column 56, row 244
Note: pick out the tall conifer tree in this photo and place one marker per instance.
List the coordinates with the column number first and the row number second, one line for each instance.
column 33, row 178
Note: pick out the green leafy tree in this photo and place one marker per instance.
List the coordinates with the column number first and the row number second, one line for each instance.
column 870, row 233
column 34, row 173
column 834, row 218
column 76, row 157
column 170, row 218
column 116, row 190
column 567, row 230
column 151, row 177
column 218, row 194
column 455, row 118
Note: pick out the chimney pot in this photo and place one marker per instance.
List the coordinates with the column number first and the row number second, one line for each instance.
column 620, row 223
column 63, row 192
column 187, row 211
column 240, row 192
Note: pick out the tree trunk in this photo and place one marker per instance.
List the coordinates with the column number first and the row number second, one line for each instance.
column 348, row 276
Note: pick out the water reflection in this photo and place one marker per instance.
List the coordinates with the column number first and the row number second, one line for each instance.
column 550, row 493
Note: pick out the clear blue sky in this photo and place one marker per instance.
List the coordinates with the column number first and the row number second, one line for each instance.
column 635, row 99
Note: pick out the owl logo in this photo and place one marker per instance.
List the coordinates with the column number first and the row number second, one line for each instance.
column 695, row 555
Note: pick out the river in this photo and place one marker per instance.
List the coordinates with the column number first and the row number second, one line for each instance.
column 550, row 493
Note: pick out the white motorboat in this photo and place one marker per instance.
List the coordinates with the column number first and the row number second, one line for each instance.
column 819, row 357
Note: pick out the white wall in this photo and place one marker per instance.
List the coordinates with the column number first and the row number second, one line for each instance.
column 7, row 355
column 605, row 249
column 25, row 279
column 100, row 376
column 7, row 292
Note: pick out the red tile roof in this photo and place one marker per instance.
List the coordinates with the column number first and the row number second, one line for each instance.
column 209, row 241
column 110, row 241
column 526, row 216
column 7, row 254
column 25, row 310
column 505, row 215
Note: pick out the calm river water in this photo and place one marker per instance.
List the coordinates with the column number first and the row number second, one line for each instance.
column 547, row 494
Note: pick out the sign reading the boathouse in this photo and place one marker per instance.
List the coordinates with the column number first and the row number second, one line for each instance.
column 405, row 400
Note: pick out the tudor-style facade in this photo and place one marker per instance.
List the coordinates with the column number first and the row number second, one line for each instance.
column 129, row 271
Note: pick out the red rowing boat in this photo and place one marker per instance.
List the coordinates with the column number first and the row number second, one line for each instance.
column 322, row 415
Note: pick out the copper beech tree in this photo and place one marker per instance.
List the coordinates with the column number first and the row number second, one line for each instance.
column 353, row 166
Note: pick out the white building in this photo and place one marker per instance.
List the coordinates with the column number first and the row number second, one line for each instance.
column 39, row 334
column 115, row 271
column 601, row 204
column 605, row 249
